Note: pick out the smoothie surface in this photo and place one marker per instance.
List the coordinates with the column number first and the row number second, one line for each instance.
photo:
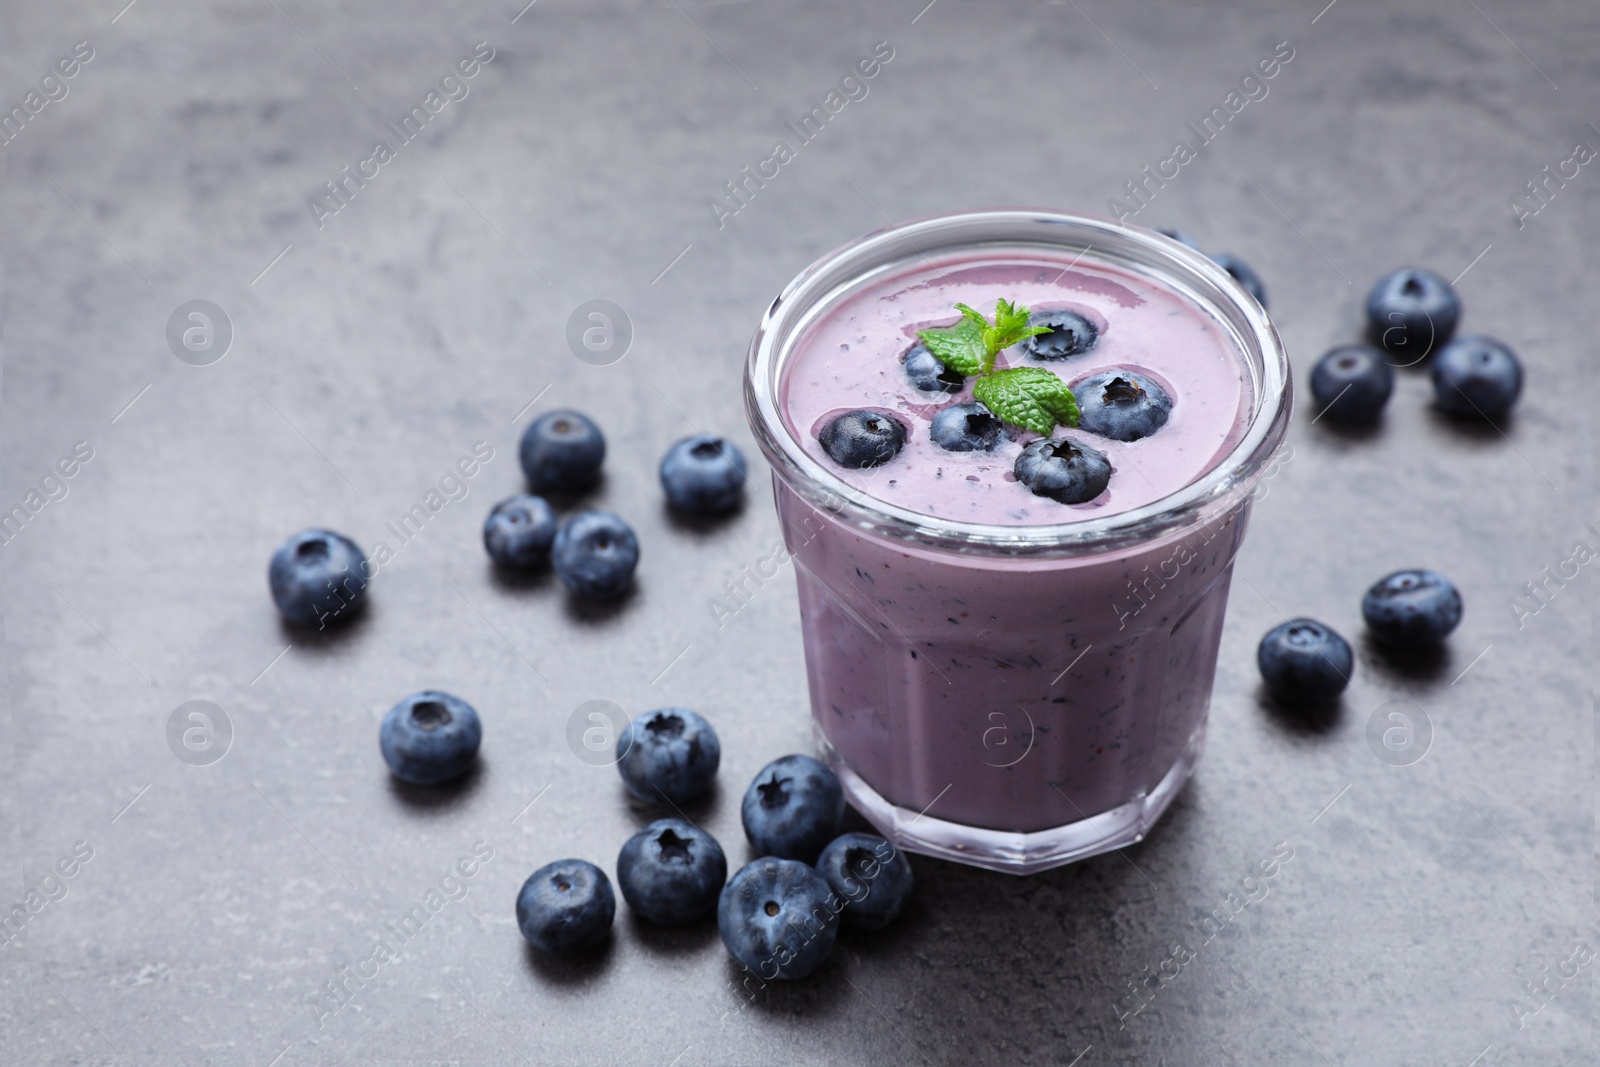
column 850, row 358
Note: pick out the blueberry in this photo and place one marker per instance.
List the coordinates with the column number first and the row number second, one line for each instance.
column 1304, row 661
column 1412, row 312
column 1244, row 275
column 1070, row 334
column 562, row 451
column 793, row 808
column 929, row 374
column 519, row 530
column 1411, row 609
column 1121, row 405
column 704, row 473
column 669, row 753
column 1477, row 376
column 595, row 553
column 1066, row 471
column 430, row 737
column 966, row 428
column 1351, row 383
column 863, row 438
column 566, row 907
column 1180, row 237
column 671, row 872
column 779, row 918
column 871, row 874
column 317, row 575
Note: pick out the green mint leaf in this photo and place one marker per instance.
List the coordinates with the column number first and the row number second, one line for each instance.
column 1029, row 397
column 959, row 347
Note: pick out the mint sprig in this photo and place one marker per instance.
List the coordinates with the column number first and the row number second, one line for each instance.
column 1029, row 397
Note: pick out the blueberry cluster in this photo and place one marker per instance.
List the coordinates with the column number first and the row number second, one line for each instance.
column 318, row 576
column 1304, row 661
column 1412, row 314
column 779, row 915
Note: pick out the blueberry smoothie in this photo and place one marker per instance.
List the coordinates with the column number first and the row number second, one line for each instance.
column 1013, row 524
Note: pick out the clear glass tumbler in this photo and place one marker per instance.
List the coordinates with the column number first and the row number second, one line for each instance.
column 1064, row 721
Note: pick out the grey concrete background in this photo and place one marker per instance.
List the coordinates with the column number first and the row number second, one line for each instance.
column 370, row 353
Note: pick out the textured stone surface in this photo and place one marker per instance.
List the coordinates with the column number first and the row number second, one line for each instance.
column 428, row 313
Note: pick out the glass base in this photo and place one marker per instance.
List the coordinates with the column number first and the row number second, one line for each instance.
column 1008, row 852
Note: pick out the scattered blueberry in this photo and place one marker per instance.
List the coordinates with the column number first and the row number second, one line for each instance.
column 1121, row 405
column 1244, row 275
column 929, row 374
column 1070, row 334
column 1303, row 660
column 1412, row 312
column 595, row 553
column 566, row 907
column 519, row 530
column 966, row 428
column 1351, row 383
column 704, row 473
column 669, row 753
column 793, row 808
column 871, row 874
column 779, row 918
column 1179, row 236
column 1064, row 470
column 1411, row 609
column 863, row 438
column 430, row 737
column 317, row 575
column 671, row 872
column 562, row 451
column 1477, row 376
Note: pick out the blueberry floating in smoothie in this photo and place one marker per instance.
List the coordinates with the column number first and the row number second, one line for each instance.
column 1064, row 470
column 1477, row 377
column 1244, row 275
column 1069, row 334
column 1122, row 405
column 1411, row 609
column 1411, row 312
column 1352, row 383
column 966, row 428
column 861, row 439
column 930, row 375
column 1304, row 661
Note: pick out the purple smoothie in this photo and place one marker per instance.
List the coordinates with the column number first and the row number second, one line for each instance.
column 1013, row 708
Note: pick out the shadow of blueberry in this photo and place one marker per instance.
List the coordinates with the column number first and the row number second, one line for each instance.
column 439, row 799
column 1428, row 664
column 571, row 970
column 592, row 612
column 515, row 580
column 1301, row 718
column 700, row 523
column 1473, row 427
column 689, row 939
column 338, row 629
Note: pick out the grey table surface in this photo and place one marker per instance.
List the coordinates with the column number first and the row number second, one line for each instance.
column 1433, row 912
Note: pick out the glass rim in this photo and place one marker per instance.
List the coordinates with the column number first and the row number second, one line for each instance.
column 1093, row 239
